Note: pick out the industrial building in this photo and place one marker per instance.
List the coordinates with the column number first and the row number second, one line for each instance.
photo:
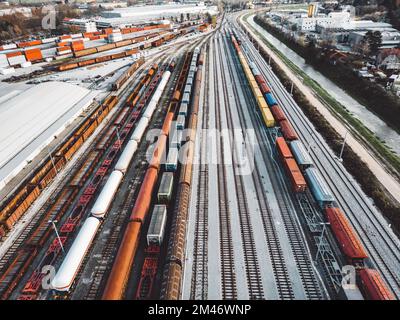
column 84, row 25
column 390, row 38
column 32, row 118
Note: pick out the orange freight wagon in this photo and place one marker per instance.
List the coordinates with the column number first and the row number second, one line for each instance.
column 349, row 242
column 296, row 177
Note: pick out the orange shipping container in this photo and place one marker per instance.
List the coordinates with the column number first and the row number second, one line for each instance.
column 29, row 43
column 78, row 45
column 33, row 54
column 62, row 44
column 13, row 54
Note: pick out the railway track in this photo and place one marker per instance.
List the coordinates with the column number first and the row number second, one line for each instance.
column 199, row 286
column 228, row 276
column 343, row 185
column 282, row 279
column 298, row 246
column 253, row 273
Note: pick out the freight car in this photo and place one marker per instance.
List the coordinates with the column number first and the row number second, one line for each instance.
column 176, row 140
column 318, row 188
column 369, row 280
column 373, row 286
column 270, row 99
column 180, row 122
column 278, row 114
column 172, row 275
column 287, row 130
column 155, row 233
column 254, row 86
column 293, row 172
column 85, row 52
column 172, row 160
column 124, row 77
column 183, row 110
column 166, row 185
column 348, row 241
column 301, row 155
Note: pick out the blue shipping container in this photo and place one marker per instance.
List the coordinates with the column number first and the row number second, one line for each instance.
column 270, row 99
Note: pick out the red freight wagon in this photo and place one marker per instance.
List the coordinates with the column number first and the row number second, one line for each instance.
column 278, row 113
column 287, row 130
column 345, row 235
column 296, row 177
column 373, row 285
column 283, row 148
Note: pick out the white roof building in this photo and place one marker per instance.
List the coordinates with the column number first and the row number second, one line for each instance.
column 142, row 14
column 31, row 119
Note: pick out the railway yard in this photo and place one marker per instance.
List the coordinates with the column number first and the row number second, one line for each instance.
column 188, row 172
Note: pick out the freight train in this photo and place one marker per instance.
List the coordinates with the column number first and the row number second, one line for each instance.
column 117, row 280
column 88, row 62
column 71, row 264
column 173, row 268
column 110, row 46
column 298, row 165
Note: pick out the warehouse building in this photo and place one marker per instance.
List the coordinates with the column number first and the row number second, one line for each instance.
column 32, row 118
